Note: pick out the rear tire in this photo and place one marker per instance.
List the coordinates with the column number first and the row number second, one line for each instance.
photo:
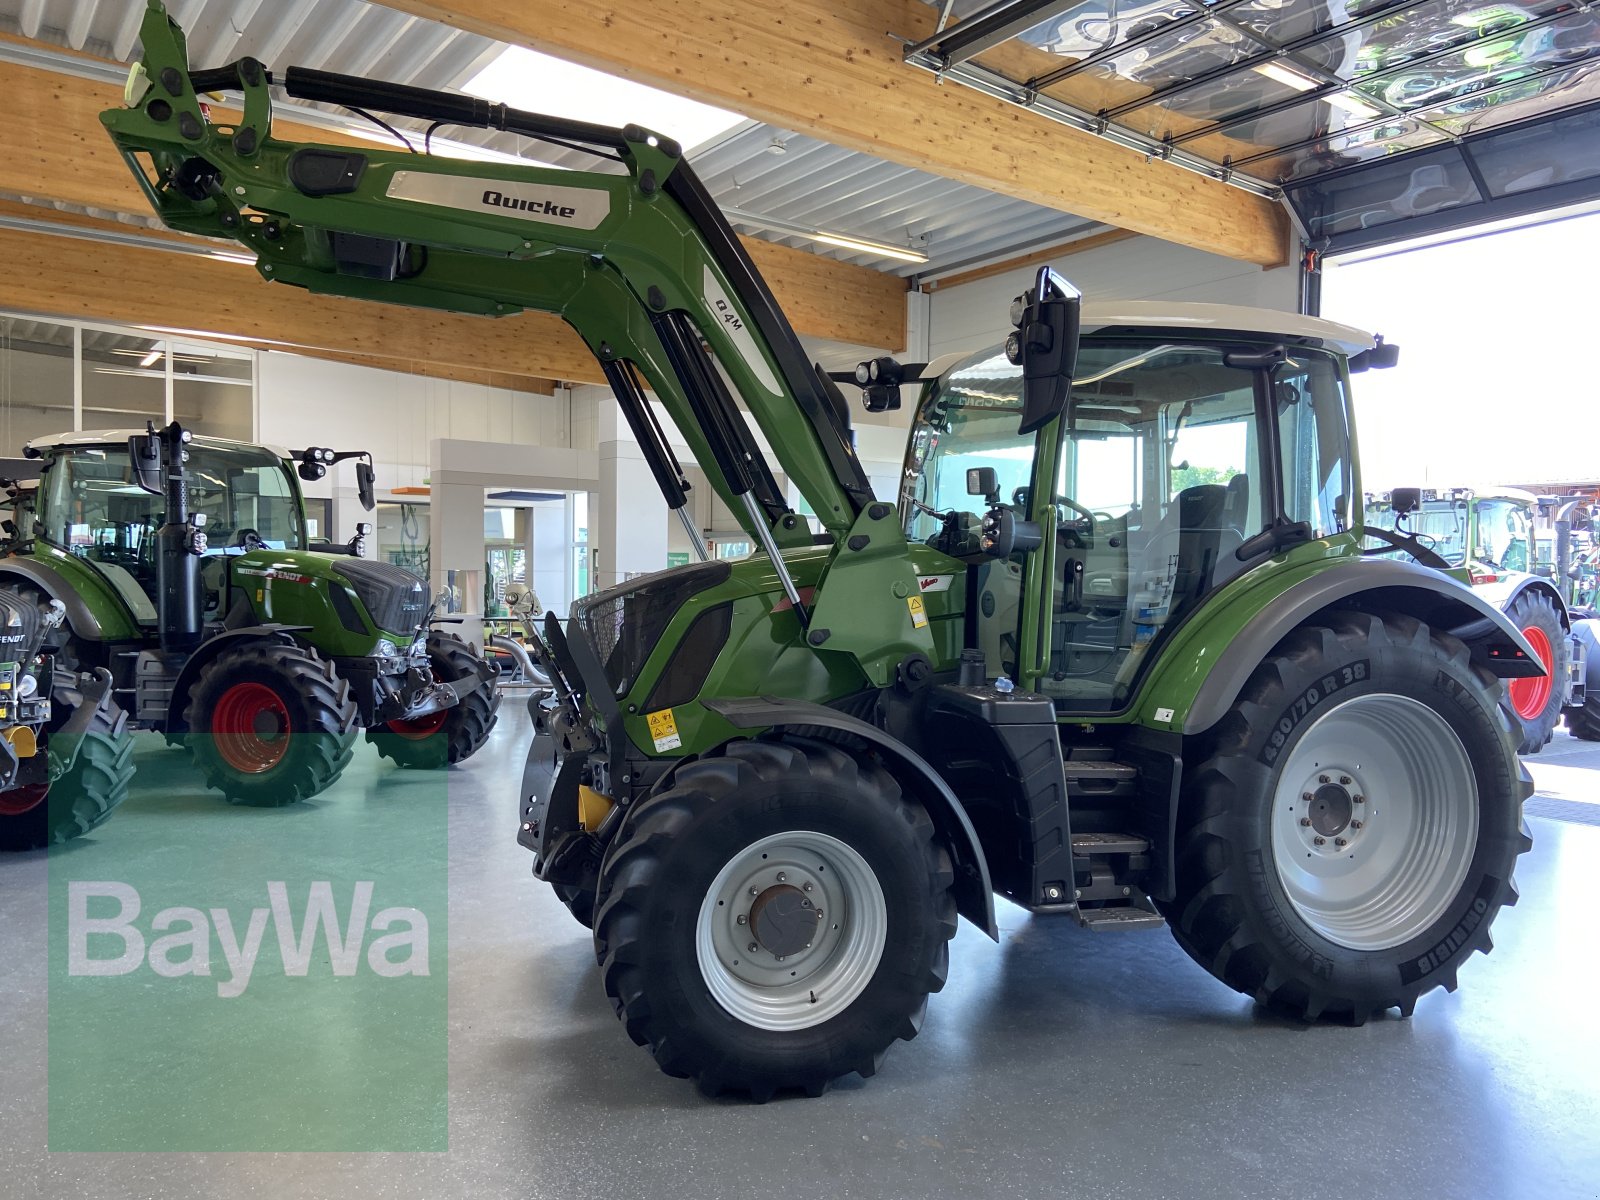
column 673, row 952
column 1536, row 703
column 85, row 796
column 1356, row 705
column 270, row 723
column 427, row 744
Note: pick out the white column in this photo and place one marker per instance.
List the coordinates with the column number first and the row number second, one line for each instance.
column 550, row 554
column 628, row 536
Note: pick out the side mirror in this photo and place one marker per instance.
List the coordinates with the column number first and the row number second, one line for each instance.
column 1045, row 346
column 1405, row 500
column 144, row 453
column 1380, row 358
column 364, row 485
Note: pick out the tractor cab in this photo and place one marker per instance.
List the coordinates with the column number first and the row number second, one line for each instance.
column 1188, row 452
column 91, row 505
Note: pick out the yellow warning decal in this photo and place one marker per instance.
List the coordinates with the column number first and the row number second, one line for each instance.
column 664, row 730
column 919, row 615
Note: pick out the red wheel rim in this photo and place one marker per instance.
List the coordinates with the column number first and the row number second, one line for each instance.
column 251, row 728
column 1529, row 696
column 422, row 727
column 23, row 799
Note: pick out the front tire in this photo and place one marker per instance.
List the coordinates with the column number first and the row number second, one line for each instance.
column 453, row 734
column 1350, row 836
column 83, row 798
column 1536, row 703
column 844, row 893
column 270, row 723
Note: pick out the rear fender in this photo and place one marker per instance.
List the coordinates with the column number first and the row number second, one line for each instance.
column 1374, row 586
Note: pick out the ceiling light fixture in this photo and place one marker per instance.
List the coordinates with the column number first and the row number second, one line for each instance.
column 149, row 360
column 1287, row 76
column 1358, row 109
column 843, row 241
column 904, row 254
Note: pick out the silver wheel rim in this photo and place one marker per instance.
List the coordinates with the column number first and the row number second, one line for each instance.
column 1375, row 821
column 796, row 874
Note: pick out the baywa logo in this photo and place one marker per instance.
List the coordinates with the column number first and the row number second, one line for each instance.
column 180, row 941
column 547, row 208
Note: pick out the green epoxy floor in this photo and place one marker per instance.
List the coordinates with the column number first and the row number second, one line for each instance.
column 1059, row 1063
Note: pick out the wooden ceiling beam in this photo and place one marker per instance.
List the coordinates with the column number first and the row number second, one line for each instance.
column 56, row 151
column 832, row 69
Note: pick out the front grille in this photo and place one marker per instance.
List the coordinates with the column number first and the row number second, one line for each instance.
column 624, row 623
column 395, row 599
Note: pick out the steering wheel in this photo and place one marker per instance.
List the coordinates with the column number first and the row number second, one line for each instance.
column 1083, row 528
column 249, row 539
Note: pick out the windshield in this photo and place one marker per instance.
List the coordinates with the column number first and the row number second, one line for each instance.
column 1504, row 533
column 90, row 506
column 1440, row 525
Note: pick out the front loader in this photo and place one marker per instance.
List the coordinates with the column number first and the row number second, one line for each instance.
column 1113, row 653
column 183, row 570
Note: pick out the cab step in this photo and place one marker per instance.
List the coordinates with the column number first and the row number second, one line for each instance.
column 1085, row 845
column 1119, row 918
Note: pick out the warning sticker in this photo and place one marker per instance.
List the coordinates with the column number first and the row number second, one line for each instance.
column 664, row 730
column 919, row 616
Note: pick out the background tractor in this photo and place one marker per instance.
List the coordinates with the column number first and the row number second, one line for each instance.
column 1113, row 653
column 1490, row 538
column 183, row 569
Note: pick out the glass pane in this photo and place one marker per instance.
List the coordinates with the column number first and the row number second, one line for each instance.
column 402, row 533
column 1411, row 186
column 1342, row 150
column 1284, row 21
column 1090, row 28
column 211, row 390
column 35, row 381
column 1186, row 52
column 1486, row 64
column 1314, row 441
column 1519, row 101
column 1420, row 30
column 124, row 380
column 1519, row 160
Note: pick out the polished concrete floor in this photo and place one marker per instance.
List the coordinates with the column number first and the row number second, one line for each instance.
column 1059, row 1063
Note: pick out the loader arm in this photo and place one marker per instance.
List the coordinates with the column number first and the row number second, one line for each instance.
column 640, row 262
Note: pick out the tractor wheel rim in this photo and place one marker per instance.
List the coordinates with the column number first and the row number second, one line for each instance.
column 791, row 931
column 16, row 801
column 251, row 727
column 1375, row 821
column 1529, row 696
column 419, row 729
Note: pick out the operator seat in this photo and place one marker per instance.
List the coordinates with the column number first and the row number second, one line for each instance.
column 1208, row 535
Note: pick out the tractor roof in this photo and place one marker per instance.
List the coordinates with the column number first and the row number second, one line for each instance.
column 119, row 437
column 1232, row 317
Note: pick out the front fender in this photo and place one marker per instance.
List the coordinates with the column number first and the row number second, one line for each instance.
column 1505, row 590
column 207, row 651
column 973, row 890
column 1372, row 585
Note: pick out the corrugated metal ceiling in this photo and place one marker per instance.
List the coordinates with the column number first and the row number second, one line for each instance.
column 812, row 185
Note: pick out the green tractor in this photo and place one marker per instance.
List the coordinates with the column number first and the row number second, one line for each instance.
column 1487, row 537
column 183, row 569
column 1114, row 653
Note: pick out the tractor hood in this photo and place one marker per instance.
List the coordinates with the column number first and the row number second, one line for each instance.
column 370, row 599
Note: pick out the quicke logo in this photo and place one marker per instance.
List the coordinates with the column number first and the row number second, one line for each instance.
column 549, row 208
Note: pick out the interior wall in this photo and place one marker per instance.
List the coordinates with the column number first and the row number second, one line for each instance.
column 973, row 315
column 397, row 416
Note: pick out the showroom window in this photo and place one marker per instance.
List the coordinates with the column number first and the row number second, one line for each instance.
column 61, row 376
